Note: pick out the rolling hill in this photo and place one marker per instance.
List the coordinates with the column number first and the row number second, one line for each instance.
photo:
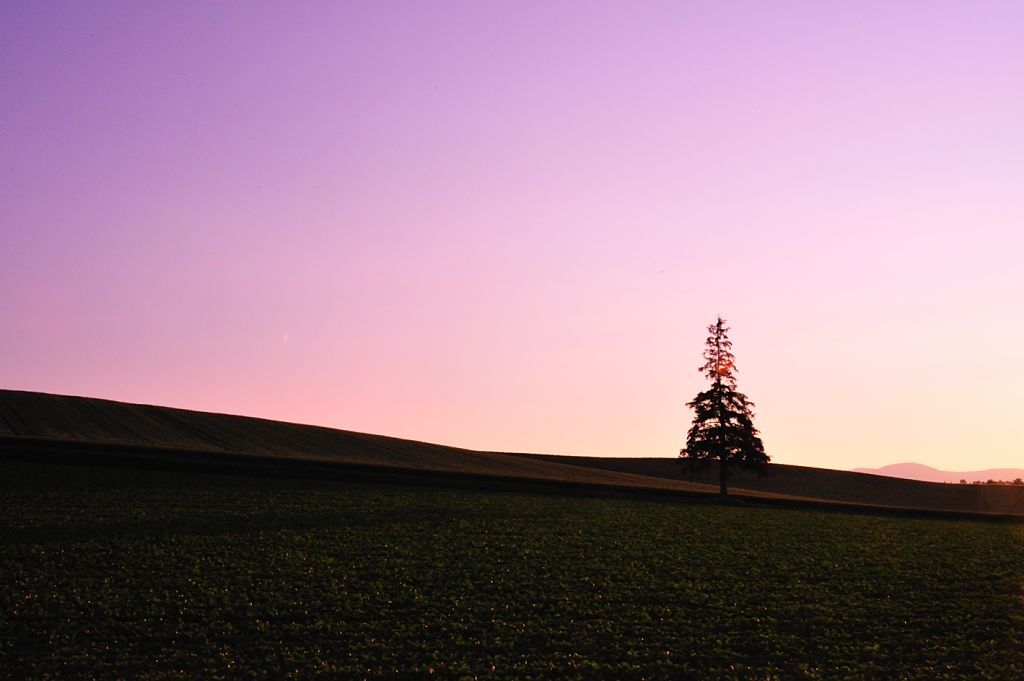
column 821, row 483
column 81, row 428
column 40, row 426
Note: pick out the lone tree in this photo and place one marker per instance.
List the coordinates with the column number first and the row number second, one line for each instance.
column 723, row 426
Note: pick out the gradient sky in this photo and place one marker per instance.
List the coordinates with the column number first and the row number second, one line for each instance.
column 506, row 225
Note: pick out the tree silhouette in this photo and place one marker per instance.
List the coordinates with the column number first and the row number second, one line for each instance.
column 723, row 425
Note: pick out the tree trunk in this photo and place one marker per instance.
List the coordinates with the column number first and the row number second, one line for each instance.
column 721, row 476
column 721, row 437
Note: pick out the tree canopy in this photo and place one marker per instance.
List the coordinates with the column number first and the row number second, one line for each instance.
column 723, row 424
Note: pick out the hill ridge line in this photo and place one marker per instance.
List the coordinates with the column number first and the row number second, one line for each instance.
column 69, row 426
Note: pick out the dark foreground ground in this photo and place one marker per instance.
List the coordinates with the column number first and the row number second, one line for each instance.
column 116, row 573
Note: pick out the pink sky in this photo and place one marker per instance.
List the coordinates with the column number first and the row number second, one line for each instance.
column 506, row 225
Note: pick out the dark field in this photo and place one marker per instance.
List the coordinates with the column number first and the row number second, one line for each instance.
column 116, row 573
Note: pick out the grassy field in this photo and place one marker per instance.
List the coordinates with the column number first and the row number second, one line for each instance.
column 118, row 573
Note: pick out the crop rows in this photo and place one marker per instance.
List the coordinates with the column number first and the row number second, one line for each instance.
column 112, row 573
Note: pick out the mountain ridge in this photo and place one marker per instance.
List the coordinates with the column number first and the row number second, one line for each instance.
column 919, row 471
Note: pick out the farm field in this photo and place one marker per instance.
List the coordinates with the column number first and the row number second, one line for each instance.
column 113, row 573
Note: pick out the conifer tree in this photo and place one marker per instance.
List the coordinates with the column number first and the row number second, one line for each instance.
column 723, row 424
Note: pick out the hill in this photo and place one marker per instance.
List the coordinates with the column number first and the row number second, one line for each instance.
column 918, row 471
column 822, row 483
column 39, row 426
column 82, row 429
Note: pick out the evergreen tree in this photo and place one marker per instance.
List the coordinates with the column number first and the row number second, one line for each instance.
column 723, row 425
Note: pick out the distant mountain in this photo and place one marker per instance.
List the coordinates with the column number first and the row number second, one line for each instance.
column 918, row 471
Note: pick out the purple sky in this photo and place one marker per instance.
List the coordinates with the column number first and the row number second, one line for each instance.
column 506, row 225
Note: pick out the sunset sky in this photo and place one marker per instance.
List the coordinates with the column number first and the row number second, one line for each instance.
column 506, row 225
